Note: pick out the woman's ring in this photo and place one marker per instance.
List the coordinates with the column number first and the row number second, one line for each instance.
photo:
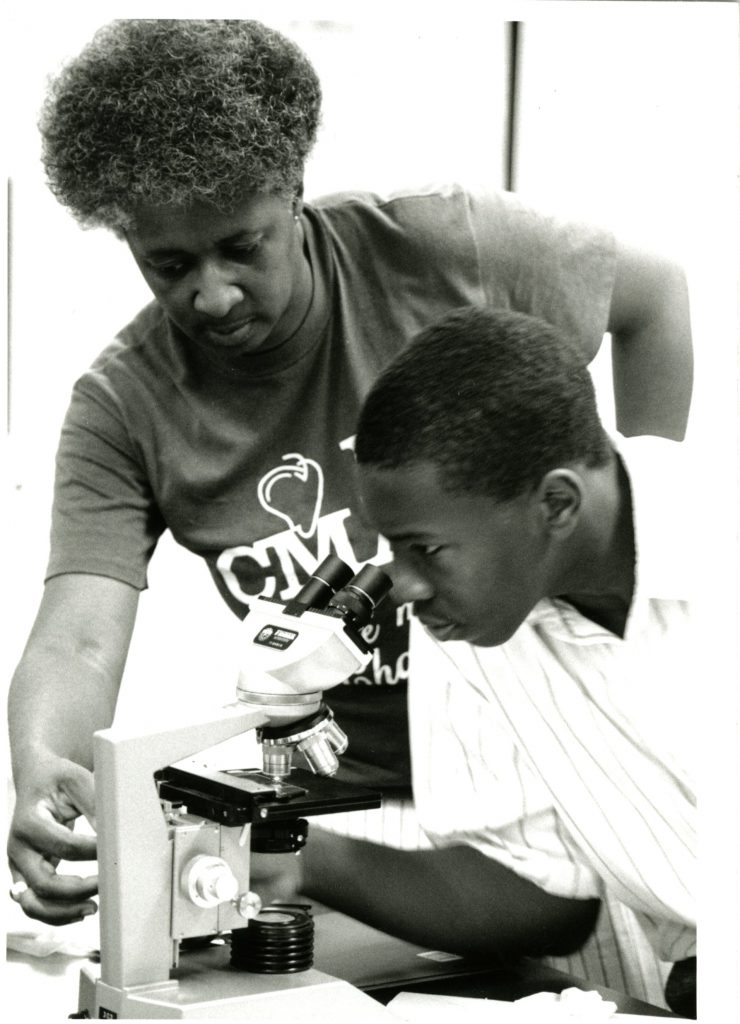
column 17, row 889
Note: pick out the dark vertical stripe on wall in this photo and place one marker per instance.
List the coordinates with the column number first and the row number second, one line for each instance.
column 8, row 311
column 515, row 46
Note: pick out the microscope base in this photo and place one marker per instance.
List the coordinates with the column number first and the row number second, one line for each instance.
column 308, row 996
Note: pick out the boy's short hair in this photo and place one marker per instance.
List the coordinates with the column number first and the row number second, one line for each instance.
column 494, row 398
column 164, row 112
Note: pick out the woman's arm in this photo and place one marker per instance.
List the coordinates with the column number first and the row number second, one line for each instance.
column 652, row 358
column 64, row 689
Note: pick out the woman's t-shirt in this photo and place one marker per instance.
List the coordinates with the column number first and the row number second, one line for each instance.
column 251, row 466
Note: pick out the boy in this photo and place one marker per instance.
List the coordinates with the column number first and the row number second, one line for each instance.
column 551, row 683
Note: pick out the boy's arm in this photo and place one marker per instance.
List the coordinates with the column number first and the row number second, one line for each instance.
column 454, row 899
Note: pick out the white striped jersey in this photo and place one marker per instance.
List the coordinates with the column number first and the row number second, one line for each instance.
column 566, row 752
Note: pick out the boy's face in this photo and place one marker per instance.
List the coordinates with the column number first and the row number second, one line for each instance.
column 472, row 567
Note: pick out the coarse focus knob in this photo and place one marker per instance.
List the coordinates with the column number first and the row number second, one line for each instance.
column 208, row 881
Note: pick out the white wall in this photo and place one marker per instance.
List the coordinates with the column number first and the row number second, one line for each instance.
column 627, row 115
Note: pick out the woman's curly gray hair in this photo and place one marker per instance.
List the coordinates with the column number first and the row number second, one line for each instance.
column 176, row 111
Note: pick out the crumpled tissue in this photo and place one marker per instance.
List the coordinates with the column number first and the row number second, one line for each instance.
column 571, row 1006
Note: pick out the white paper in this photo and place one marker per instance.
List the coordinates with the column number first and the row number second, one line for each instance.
column 542, row 1008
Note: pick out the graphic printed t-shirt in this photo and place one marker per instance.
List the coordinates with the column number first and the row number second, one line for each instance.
column 251, row 467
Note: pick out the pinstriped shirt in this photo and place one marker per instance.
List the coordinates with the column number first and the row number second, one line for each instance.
column 565, row 753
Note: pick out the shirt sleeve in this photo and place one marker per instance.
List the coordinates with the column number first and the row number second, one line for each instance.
column 533, row 262
column 472, row 786
column 104, row 518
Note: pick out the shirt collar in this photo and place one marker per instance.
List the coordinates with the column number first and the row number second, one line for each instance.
column 665, row 547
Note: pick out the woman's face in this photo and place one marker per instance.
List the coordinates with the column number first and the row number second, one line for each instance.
column 232, row 282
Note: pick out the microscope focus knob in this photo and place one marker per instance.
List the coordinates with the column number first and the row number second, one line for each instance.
column 208, row 881
column 248, row 905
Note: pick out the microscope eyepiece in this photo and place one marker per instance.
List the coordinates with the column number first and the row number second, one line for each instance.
column 323, row 583
column 361, row 596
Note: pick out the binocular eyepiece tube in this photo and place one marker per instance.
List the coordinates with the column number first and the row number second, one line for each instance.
column 333, row 585
column 323, row 583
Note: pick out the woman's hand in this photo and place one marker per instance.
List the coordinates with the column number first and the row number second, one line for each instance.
column 41, row 835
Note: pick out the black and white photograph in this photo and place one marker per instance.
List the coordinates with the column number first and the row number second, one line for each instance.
column 370, row 478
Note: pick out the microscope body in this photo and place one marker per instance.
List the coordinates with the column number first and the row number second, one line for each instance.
column 292, row 651
column 175, row 836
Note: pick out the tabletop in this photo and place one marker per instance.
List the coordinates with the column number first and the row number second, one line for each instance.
column 46, row 986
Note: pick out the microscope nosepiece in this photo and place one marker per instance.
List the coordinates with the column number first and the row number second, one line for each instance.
column 321, row 748
column 319, row 755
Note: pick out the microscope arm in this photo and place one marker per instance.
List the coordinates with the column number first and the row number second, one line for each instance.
column 132, row 839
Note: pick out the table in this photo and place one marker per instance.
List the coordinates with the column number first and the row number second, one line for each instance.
column 382, row 966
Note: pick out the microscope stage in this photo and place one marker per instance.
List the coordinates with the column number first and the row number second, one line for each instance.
column 240, row 797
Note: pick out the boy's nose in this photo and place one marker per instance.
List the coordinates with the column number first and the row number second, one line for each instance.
column 409, row 586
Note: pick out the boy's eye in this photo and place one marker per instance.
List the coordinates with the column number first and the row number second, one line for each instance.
column 428, row 550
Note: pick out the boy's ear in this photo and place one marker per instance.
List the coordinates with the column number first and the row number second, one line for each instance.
column 560, row 496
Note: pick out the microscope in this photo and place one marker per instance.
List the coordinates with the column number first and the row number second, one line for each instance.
column 182, row 934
